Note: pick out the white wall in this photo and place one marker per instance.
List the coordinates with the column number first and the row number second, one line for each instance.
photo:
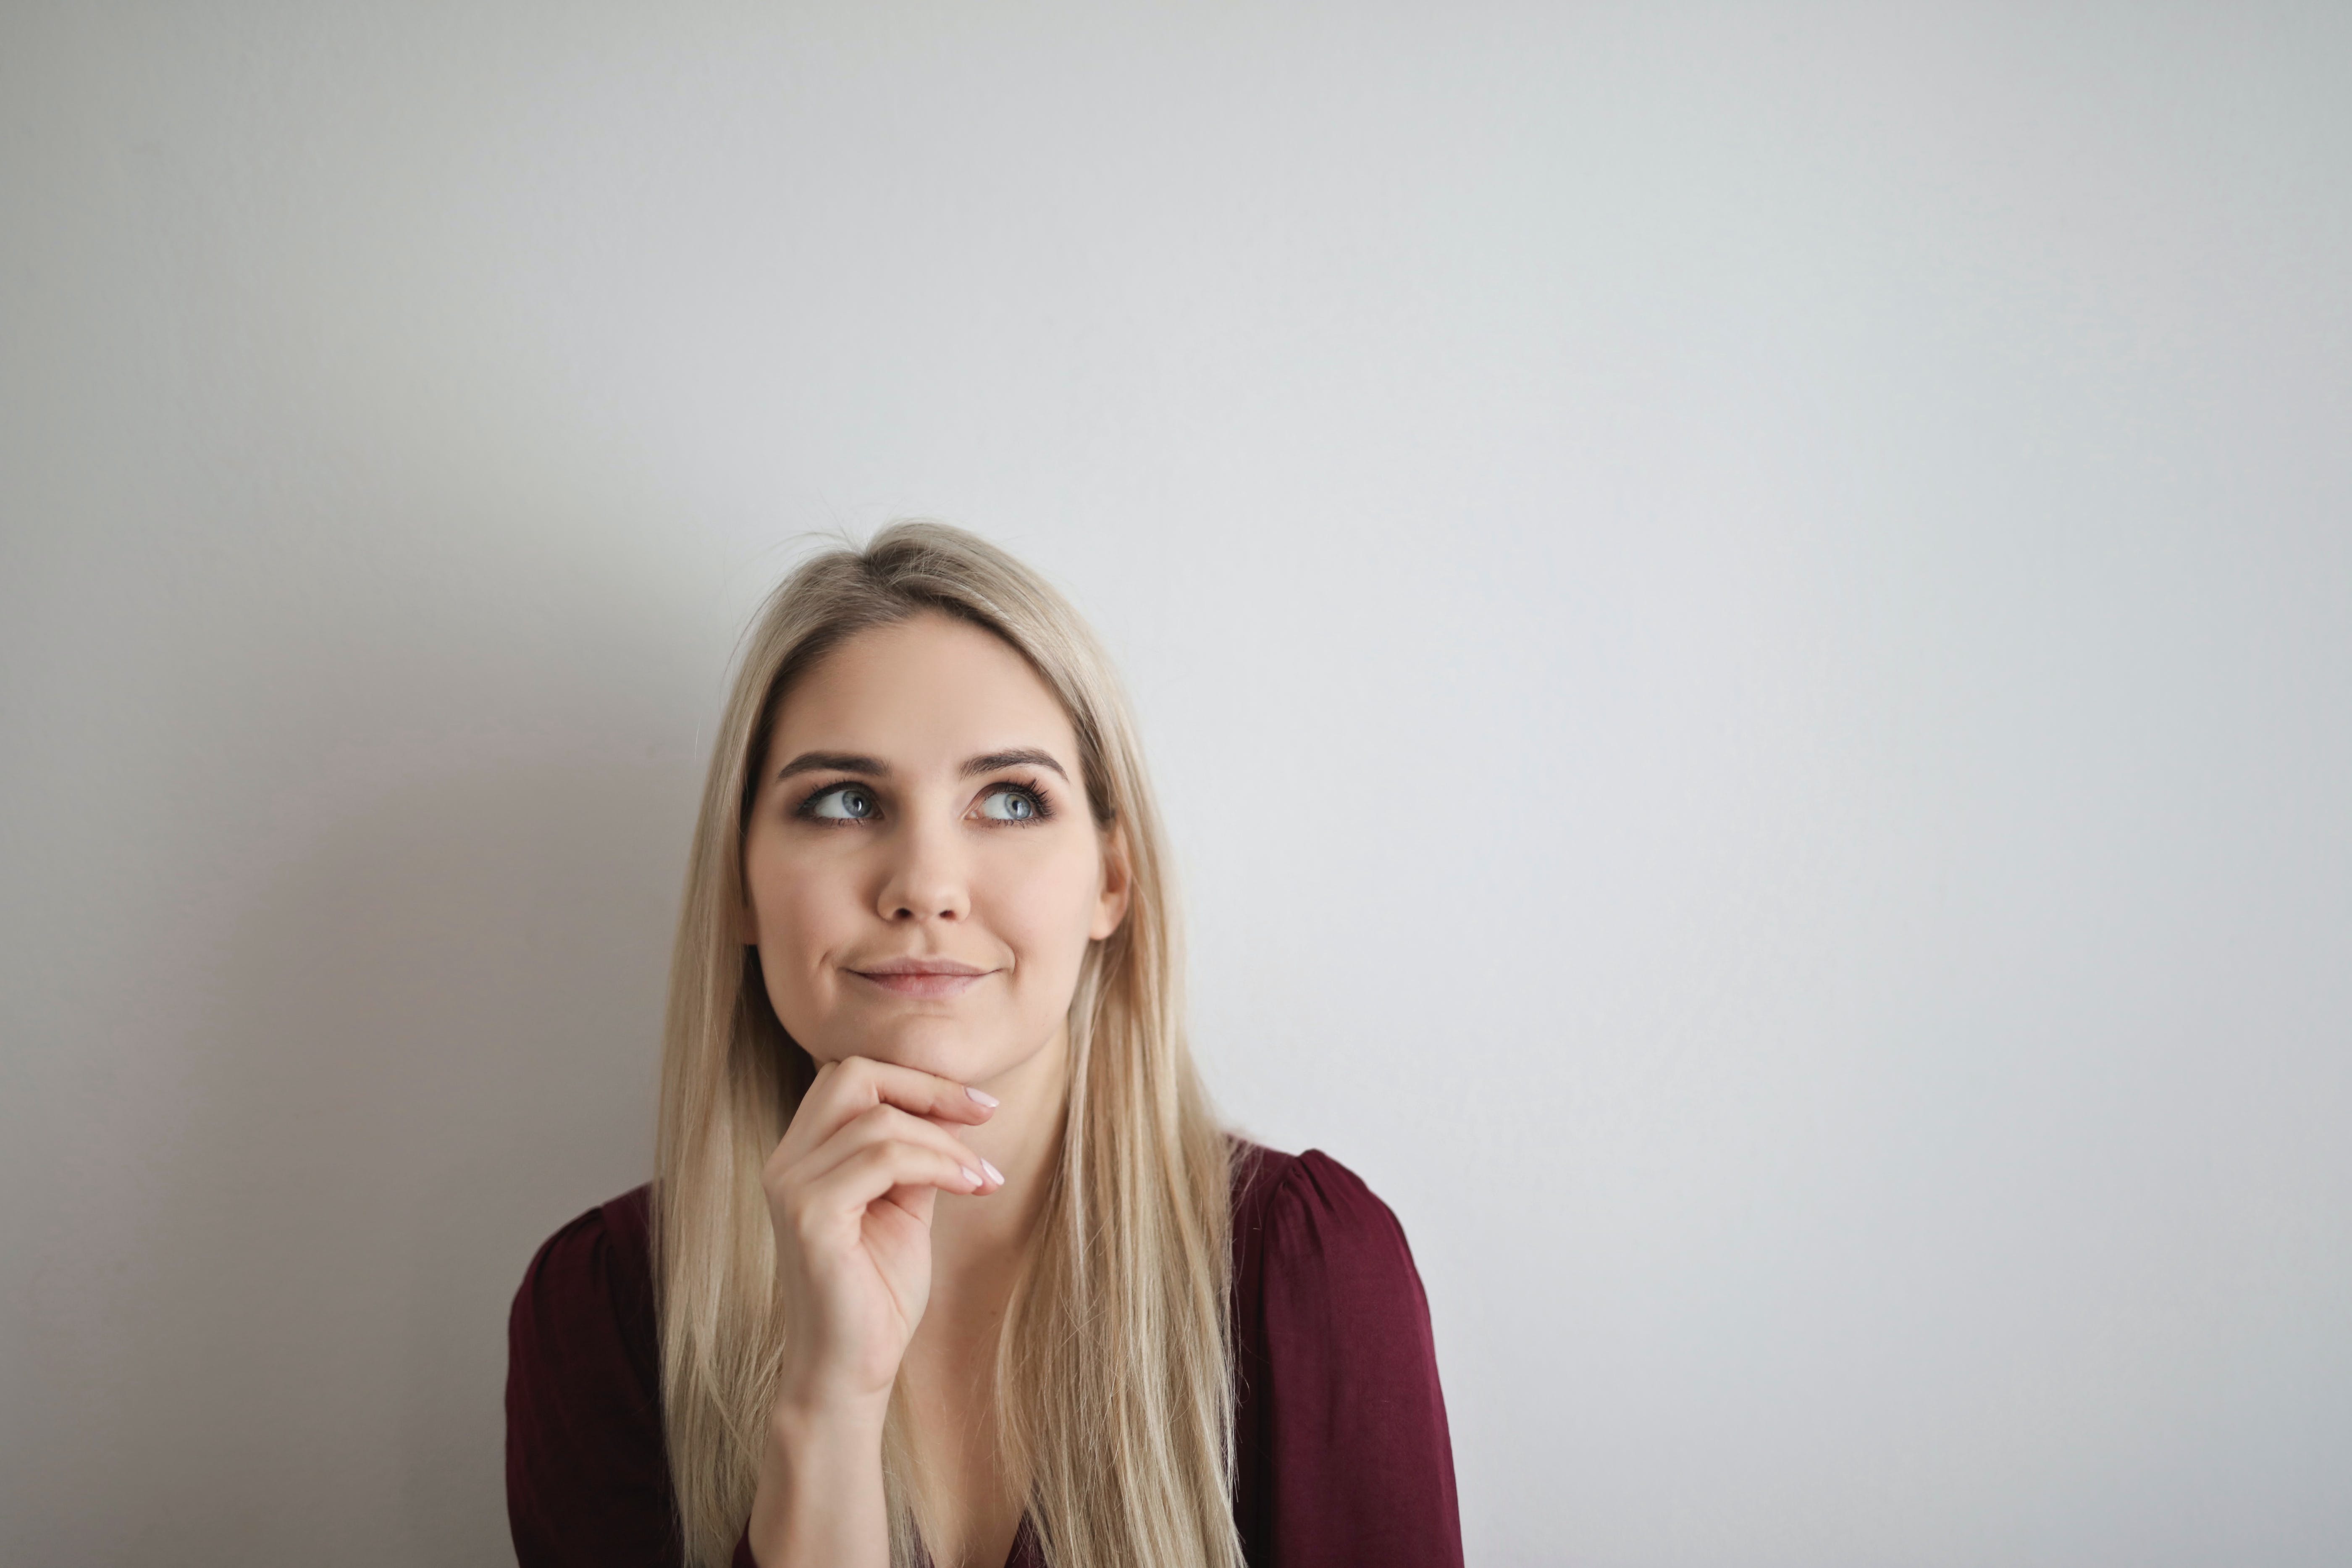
column 1746, row 614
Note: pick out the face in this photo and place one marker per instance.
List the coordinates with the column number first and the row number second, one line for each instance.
column 923, row 872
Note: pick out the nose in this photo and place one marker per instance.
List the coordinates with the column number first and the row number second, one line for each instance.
column 926, row 878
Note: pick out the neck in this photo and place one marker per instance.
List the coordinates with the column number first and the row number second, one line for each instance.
column 983, row 1240
column 949, row 1375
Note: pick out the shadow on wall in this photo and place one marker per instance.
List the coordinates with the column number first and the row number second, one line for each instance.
column 432, row 1042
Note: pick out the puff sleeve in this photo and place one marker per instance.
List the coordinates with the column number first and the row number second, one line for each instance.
column 1340, row 1422
column 587, row 1479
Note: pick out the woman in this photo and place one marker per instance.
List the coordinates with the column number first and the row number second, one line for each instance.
column 946, row 1257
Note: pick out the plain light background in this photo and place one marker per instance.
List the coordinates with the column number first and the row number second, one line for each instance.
column 1744, row 615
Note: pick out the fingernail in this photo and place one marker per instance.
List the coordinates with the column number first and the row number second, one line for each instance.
column 993, row 1173
column 972, row 1175
column 982, row 1095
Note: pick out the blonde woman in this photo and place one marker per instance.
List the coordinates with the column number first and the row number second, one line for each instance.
column 945, row 1259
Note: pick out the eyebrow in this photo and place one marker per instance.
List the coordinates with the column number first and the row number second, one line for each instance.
column 835, row 762
column 875, row 768
column 1025, row 756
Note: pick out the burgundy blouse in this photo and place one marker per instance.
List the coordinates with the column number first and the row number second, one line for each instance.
column 1340, row 1425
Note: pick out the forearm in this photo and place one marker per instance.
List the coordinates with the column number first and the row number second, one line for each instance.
column 820, row 1502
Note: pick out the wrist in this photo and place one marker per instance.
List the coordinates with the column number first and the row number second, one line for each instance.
column 820, row 1497
column 839, row 1424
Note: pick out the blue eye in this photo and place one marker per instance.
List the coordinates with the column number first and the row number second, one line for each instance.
column 843, row 803
column 1010, row 803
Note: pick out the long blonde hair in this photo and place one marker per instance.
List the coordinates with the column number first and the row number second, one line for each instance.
column 1113, row 1376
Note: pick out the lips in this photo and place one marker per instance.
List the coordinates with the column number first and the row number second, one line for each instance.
column 927, row 978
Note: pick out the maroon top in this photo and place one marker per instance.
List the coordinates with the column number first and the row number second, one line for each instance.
column 1339, row 1428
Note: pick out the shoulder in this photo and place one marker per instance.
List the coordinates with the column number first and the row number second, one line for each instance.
column 588, row 1294
column 607, row 1249
column 1310, row 1191
column 1306, row 1223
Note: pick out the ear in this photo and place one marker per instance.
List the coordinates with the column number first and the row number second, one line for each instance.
column 1117, row 884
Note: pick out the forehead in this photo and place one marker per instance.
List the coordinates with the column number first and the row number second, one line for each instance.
column 929, row 690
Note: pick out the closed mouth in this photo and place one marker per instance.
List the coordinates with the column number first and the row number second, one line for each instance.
column 915, row 966
column 922, row 977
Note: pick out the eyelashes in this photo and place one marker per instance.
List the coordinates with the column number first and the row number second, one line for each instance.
column 1023, row 802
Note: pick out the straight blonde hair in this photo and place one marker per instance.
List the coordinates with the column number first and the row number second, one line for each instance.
column 1113, row 1376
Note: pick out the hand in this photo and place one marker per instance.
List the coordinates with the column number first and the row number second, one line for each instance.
column 850, row 1190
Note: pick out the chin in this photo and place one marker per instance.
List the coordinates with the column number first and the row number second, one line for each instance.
column 940, row 1046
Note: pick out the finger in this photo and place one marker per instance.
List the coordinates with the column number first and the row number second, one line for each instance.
column 854, row 1084
column 839, row 1197
column 883, row 1124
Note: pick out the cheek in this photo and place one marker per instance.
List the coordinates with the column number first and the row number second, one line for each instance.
column 800, row 910
column 1043, row 909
